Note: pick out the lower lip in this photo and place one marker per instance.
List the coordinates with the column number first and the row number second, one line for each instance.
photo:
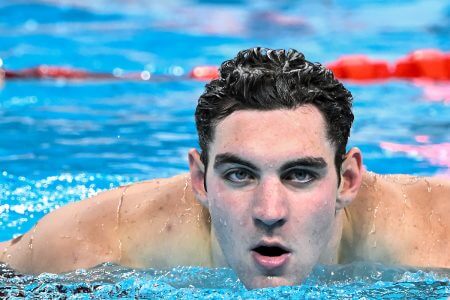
column 270, row 262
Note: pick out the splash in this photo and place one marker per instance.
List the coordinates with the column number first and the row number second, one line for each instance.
column 360, row 280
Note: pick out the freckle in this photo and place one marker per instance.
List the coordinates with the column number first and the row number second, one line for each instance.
column 169, row 227
column 161, row 208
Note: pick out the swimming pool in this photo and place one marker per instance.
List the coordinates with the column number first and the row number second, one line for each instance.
column 67, row 140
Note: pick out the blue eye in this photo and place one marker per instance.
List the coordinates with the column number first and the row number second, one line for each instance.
column 300, row 176
column 238, row 176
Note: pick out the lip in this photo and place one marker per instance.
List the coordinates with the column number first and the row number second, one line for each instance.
column 270, row 263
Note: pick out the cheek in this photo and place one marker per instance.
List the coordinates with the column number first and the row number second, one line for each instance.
column 326, row 200
column 229, row 219
column 317, row 215
column 326, row 193
column 226, row 199
column 323, row 211
column 227, row 208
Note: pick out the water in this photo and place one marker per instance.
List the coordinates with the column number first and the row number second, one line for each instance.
column 66, row 140
column 357, row 280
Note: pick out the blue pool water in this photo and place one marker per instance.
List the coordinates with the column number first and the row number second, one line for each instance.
column 62, row 141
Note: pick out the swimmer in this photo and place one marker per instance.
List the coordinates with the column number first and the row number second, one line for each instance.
column 272, row 192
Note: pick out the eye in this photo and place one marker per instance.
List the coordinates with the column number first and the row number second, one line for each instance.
column 300, row 176
column 238, row 176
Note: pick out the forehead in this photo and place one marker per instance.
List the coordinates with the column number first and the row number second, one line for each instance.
column 273, row 135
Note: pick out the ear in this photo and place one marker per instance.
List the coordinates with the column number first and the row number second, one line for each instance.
column 197, row 171
column 351, row 178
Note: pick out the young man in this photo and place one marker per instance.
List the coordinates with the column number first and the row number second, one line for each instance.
column 272, row 193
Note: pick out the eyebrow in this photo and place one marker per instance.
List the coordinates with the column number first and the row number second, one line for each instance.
column 308, row 161
column 228, row 158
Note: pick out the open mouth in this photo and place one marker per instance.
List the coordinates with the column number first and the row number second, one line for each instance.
column 270, row 257
column 270, row 251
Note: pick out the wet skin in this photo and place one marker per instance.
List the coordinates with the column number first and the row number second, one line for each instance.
column 260, row 190
column 266, row 190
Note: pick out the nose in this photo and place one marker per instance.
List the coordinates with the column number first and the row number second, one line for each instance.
column 270, row 207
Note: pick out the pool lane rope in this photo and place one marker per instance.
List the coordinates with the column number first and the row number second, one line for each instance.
column 430, row 64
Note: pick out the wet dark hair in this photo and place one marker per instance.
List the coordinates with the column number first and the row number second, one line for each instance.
column 266, row 79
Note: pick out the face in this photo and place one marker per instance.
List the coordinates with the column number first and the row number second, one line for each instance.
column 271, row 191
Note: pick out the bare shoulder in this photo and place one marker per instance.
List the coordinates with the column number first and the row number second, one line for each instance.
column 401, row 219
column 161, row 224
column 424, row 193
column 104, row 228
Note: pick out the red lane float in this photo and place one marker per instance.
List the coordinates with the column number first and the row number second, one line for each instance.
column 424, row 63
column 54, row 72
column 359, row 67
column 430, row 64
column 45, row 71
column 204, row 73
